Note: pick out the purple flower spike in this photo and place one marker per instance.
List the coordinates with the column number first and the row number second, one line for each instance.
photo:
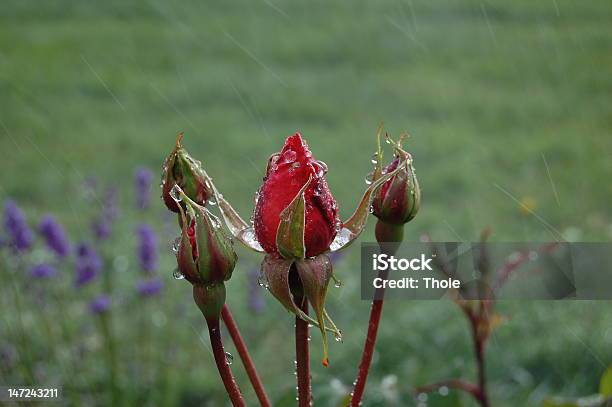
column 102, row 225
column 150, row 288
column 19, row 234
column 54, row 235
column 255, row 300
column 100, row 304
column 88, row 264
column 43, row 271
column 147, row 248
column 143, row 178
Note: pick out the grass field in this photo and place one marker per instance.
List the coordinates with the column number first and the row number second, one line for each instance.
column 506, row 103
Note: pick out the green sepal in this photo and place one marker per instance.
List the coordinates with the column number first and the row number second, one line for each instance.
column 240, row 229
column 216, row 255
column 315, row 274
column 290, row 232
column 276, row 273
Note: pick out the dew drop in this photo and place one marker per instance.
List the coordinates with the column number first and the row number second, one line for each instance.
column 176, row 244
column 177, row 274
column 289, row 156
column 368, row 179
column 175, row 193
column 229, row 358
column 338, row 336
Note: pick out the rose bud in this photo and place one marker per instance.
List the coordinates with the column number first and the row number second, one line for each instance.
column 294, row 178
column 397, row 201
column 205, row 254
column 186, row 172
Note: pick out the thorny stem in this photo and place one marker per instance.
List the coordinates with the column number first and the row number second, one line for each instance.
column 222, row 365
column 302, row 356
column 241, row 347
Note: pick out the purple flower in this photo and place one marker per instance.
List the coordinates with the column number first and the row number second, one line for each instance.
column 143, row 178
column 147, row 248
column 101, row 228
column 102, row 224
column 255, row 299
column 100, row 304
column 150, row 287
column 54, row 235
column 88, row 264
column 43, row 271
column 19, row 234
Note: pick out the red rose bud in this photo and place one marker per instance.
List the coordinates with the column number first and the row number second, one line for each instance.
column 205, row 254
column 295, row 215
column 397, row 201
column 186, row 172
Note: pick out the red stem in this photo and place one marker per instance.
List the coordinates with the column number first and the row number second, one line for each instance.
column 302, row 356
column 249, row 366
column 222, row 365
column 479, row 352
column 385, row 233
column 368, row 352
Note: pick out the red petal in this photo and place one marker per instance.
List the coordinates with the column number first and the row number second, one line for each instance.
column 286, row 176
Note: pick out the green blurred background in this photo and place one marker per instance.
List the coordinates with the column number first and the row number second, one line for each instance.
column 508, row 107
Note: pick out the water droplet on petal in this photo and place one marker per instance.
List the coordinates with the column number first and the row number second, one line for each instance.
column 175, row 193
column 289, row 156
column 177, row 274
column 176, row 244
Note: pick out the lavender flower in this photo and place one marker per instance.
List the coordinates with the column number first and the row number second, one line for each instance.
column 255, row 299
column 54, row 235
column 150, row 287
column 143, row 178
column 100, row 304
column 102, row 224
column 19, row 234
column 43, row 271
column 88, row 264
column 147, row 248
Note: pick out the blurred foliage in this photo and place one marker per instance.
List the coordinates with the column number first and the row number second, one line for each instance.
column 506, row 103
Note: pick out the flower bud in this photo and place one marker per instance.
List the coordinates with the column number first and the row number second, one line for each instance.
column 397, row 201
column 205, row 253
column 186, row 172
column 295, row 192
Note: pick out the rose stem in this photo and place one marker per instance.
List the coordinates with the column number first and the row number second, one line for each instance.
column 385, row 233
column 302, row 355
column 241, row 347
column 479, row 352
column 222, row 365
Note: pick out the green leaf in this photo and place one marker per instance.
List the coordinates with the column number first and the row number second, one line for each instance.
column 605, row 385
column 290, row 232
